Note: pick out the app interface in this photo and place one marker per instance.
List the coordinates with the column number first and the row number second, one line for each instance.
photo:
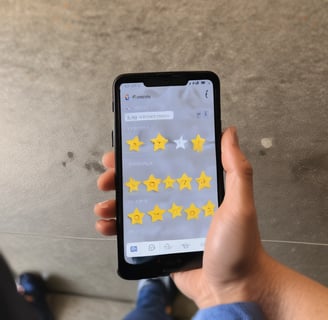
column 169, row 167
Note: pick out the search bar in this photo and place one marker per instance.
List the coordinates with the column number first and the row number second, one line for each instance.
column 148, row 116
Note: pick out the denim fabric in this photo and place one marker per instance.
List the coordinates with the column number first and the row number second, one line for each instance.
column 151, row 303
column 233, row 311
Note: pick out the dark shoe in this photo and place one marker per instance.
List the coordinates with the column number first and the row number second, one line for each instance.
column 34, row 291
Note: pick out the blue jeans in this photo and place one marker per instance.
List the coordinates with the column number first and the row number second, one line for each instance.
column 151, row 303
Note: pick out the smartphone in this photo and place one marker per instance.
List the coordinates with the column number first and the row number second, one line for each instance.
column 169, row 177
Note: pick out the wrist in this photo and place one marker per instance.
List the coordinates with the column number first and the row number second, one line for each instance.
column 229, row 295
column 257, row 285
column 232, row 292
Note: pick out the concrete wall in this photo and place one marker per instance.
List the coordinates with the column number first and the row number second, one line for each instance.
column 57, row 63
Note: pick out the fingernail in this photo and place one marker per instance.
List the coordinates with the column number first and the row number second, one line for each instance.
column 103, row 204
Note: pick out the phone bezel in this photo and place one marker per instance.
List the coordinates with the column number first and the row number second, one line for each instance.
column 163, row 264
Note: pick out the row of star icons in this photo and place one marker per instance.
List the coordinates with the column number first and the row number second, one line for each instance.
column 156, row 214
column 159, row 143
column 184, row 182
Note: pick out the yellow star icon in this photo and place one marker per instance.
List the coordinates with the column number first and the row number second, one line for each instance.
column 152, row 183
column 136, row 216
column 169, row 182
column 198, row 143
column 134, row 143
column 156, row 214
column 133, row 185
column 184, row 182
column 192, row 212
column 175, row 210
column 209, row 208
column 159, row 142
column 203, row 181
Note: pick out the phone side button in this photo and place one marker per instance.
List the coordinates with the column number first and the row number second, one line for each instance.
column 113, row 142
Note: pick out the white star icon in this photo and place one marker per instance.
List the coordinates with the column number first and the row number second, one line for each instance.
column 180, row 143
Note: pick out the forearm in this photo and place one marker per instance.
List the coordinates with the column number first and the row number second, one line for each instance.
column 290, row 295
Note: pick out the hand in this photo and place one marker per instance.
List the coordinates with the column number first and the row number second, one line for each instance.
column 106, row 210
column 233, row 248
column 233, row 255
column 235, row 266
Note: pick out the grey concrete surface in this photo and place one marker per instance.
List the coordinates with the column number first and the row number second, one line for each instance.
column 81, row 266
column 71, row 307
column 57, row 62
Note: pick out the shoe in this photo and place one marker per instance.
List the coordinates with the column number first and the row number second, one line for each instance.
column 34, row 290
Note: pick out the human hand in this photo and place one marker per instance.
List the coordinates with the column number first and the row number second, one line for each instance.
column 106, row 225
column 233, row 246
column 233, row 255
column 235, row 266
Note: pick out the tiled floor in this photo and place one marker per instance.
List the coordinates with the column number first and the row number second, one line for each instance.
column 57, row 62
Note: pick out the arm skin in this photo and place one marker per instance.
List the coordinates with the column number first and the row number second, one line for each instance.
column 235, row 266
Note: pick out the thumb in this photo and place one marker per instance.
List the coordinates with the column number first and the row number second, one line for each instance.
column 239, row 197
column 234, row 225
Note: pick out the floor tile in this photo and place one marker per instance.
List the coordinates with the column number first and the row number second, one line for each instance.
column 72, row 266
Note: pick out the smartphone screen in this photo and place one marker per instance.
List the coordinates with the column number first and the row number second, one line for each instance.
column 170, row 180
